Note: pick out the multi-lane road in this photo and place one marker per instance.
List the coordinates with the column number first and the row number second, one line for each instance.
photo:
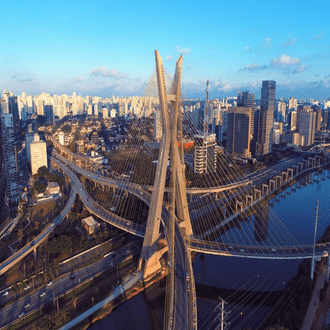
column 64, row 284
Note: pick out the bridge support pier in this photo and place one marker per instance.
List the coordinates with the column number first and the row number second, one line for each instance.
column 257, row 194
column 35, row 253
column 278, row 178
column 290, row 173
column 306, row 162
column 270, row 185
column 240, row 204
column 285, row 177
column 247, row 198
column 297, row 169
column 264, row 189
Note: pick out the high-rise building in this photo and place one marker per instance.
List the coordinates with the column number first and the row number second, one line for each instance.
column 292, row 120
column 61, row 138
column 38, row 155
column 239, row 131
column 10, row 156
column 205, row 157
column 4, row 210
column 49, row 113
column 281, row 111
column 247, row 99
column 307, row 118
column 293, row 103
column 80, row 146
column 266, row 118
column 30, row 137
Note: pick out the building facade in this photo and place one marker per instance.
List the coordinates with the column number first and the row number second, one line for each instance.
column 239, row 131
column 10, row 157
column 266, row 118
column 38, row 156
column 205, row 157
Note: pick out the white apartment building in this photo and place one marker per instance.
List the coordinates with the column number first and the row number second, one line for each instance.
column 38, row 155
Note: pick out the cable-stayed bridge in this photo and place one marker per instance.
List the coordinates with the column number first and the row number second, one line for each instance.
column 194, row 217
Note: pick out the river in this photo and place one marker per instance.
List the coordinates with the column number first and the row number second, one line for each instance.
column 296, row 209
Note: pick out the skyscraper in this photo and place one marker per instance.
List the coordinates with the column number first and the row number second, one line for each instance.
column 266, row 118
column 10, row 156
column 205, row 157
column 38, row 155
column 4, row 211
column 247, row 99
column 30, row 137
column 238, row 131
column 307, row 119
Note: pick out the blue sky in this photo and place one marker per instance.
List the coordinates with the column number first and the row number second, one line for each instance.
column 107, row 47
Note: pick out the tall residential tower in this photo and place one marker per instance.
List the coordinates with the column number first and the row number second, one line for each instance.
column 266, row 118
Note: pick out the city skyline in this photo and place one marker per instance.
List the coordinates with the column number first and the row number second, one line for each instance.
column 108, row 49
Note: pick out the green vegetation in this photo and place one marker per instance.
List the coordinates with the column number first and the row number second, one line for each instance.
column 39, row 187
column 66, row 128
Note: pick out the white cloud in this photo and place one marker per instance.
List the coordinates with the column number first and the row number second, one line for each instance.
column 168, row 57
column 290, row 42
column 254, row 67
column 247, row 48
column 268, row 42
column 78, row 79
column 183, row 50
column 284, row 60
column 103, row 71
column 287, row 64
column 299, row 69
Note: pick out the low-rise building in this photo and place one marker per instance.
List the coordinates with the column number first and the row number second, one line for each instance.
column 90, row 224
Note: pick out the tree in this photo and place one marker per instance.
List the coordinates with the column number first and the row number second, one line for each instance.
column 43, row 172
column 39, row 187
column 66, row 128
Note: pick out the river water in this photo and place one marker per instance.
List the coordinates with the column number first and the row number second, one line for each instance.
column 296, row 211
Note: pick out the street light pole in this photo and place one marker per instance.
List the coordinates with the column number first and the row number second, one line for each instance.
column 313, row 256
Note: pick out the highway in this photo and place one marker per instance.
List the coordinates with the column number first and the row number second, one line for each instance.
column 180, row 313
column 19, row 255
column 64, row 284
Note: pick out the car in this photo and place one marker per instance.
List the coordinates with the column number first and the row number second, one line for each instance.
column 242, row 250
column 230, row 247
column 5, row 294
column 27, row 287
column 273, row 249
column 72, row 276
column 27, row 305
column 42, row 294
column 49, row 283
column 52, row 225
column 22, row 314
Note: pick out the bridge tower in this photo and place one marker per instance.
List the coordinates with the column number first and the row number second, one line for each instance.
column 170, row 105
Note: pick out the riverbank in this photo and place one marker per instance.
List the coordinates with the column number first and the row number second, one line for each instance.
column 291, row 309
column 111, row 304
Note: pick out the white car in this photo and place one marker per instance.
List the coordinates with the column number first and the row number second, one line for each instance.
column 42, row 294
column 22, row 314
column 49, row 283
column 5, row 293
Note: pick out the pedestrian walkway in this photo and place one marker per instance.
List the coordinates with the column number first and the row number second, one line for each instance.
column 117, row 292
column 313, row 304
